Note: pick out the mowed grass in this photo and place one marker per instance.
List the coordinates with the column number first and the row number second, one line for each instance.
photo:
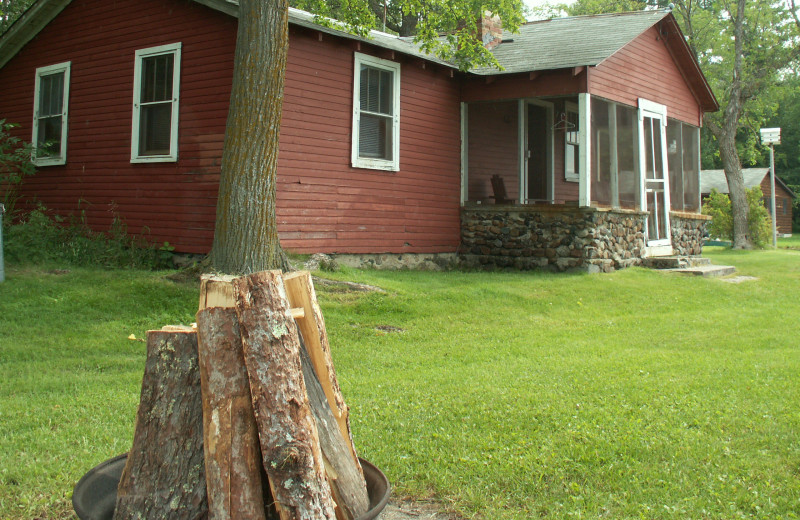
column 635, row 394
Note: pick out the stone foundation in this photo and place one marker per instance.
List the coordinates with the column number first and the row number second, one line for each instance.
column 564, row 237
column 688, row 232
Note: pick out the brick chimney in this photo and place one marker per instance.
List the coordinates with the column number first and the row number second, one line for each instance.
column 490, row 30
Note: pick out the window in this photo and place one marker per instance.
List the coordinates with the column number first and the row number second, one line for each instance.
column 156, row 84
column 572, row 155
column 376, row 114
column 50, row 108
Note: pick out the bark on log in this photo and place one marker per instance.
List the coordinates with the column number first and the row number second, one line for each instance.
column 288, row 435
column 301, row 294
column 164, row 475
column 232, row 453
column 345, row 476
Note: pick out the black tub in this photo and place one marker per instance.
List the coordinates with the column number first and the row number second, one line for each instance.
column 96, row 492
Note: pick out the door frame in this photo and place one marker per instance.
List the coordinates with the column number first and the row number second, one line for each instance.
column 524, row 152
column 658, row 112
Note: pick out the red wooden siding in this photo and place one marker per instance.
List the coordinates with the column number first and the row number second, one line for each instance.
column 326, row 205
column 172, row 202
column 783, row 199
column 645, row 69
column 515, row 86
column 323, row 203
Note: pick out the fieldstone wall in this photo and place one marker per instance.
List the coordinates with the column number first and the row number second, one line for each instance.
column 688, row 232
column 551, row 237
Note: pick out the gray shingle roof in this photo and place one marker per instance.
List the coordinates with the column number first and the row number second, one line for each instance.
column 563, row 43
column 715, row 179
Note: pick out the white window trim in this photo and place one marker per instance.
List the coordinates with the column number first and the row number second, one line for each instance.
column 61, row 158
column 172, row 156
column 364, row 162
column 571, row 176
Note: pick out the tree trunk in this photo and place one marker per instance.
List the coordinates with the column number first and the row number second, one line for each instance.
column 164, row 475
column 288, row 435
column 739, row 207
column 232, row 453
column 246, row 233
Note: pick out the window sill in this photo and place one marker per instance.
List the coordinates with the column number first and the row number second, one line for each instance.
column 154, row 159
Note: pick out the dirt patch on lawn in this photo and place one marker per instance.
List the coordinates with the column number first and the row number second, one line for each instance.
column 408, row 509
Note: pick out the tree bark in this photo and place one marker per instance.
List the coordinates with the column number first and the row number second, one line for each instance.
column 232, row 453
column 246, row 233
column 288, row 436
column 164, row 475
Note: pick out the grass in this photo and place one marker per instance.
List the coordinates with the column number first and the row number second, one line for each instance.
column 634, row 394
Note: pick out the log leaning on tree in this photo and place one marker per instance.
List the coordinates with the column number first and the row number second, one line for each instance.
column 164, row 475
column 287, row 432
column 345, row 476
column 232, row 452
column 301, row 295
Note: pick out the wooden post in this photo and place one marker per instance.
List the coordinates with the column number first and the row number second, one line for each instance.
column 288, row 435
column 164, row 475
column 232, row 453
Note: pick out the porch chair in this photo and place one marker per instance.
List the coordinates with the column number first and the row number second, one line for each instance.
column 499, row 188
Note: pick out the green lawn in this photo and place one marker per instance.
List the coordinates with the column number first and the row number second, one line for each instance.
column 635, row 394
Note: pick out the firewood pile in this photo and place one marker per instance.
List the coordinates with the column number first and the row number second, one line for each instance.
column 242, row 416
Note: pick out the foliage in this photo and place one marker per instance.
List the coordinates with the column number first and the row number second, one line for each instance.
column 43, row 239
column 15, row 166
column 718, row 206
column 444, row 28
column 633, row 394
column 10, row 10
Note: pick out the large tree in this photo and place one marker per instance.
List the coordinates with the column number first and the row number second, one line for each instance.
column 10, row 10
column 246, row 238
column 742, row 47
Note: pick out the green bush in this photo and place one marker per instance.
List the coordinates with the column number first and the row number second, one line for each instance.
column 718, row 206
column 15, row 165
column 38, row 238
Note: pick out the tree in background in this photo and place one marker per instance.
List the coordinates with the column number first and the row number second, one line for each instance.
column 718, row 206
column 10, row 10
column 246, row 236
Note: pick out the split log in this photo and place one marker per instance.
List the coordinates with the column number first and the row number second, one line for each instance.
column 164, row 475
column 300, row 291
column 288, row 435
column 232, row 453
column 345, row 476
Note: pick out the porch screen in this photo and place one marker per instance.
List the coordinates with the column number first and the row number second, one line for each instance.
column 493, row 152
column 603, row 153
column 615, row 146
column 627, row 157
column 684, row 158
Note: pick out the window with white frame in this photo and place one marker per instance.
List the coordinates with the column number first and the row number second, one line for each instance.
column 572, row 143
column 50, row 111
column 376, row 114
column 156, row 88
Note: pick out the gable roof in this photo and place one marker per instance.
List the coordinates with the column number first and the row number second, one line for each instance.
column 559, row 43
column 577, row 41
column 716, row 180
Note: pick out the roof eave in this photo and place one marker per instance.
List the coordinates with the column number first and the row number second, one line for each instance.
column 42, row 12
column 685, row 58
column 27, row 26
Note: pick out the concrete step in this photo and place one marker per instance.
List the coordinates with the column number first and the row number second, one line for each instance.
column 707, row 271
column 675, row 262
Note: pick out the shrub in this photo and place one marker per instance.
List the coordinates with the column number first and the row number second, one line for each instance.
column 15, row 165
column 718, row 206
column 38, row 238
